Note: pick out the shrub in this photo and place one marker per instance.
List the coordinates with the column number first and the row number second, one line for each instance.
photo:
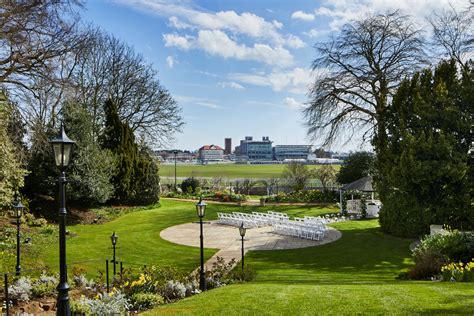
column 142, row 301
column 174, row 290
column 248, row 274
column 21, row 290
column 44, row 286
column 114, row 303
column 305, row 196
column 80, row 307
column 438, row 250
column 190, row 185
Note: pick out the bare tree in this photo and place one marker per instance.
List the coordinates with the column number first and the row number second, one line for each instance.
column 327, row 175
column 32, row 33
column 112, row 69
column 297, row 175
column 454, row 32
column 359, row 70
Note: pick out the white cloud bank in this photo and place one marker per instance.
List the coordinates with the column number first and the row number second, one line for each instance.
column 300, row 15
column 295, row 80
column 217, row 43
column 292, row 103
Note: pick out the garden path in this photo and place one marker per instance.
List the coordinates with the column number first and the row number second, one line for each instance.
column 228, row 241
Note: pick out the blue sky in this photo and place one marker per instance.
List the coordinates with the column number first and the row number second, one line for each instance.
column 238, row 68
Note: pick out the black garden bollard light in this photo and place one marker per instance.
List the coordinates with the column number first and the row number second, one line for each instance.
column 62, row 147
column 201, row 211
column 114, row 239
column 242, row 231
column 18, row 212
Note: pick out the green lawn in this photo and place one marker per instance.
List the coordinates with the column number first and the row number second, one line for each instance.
column 355, row 274
column 139, row 237
column 230, row 171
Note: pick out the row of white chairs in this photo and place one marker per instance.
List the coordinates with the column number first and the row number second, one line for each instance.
column 301, row 229
column 237, row 218
column 255, row 219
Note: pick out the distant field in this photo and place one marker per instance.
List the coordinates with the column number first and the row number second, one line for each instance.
column 227, row 170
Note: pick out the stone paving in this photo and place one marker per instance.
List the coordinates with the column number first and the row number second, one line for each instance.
column 227, row 239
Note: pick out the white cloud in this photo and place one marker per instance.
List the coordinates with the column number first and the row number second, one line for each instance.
column 295, row 80
column 217, row 43
column 292, row 103
column 295, row 42
column 300, row 15
column 209, row 105
column 231, row 84
column 343, row 11
column 175, row 40
column 170, row 61
column 178, row 24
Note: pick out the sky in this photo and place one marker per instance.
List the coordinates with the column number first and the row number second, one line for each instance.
column 239, row 68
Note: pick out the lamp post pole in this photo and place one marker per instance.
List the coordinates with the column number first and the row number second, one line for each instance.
column 202, row 277
column 201, row 209
column 242, row 253
column 63, row 287
column 114, row 239
column 242, row 231
column 62, row 146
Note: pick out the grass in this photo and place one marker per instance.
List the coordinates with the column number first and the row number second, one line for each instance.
column 355, row 274
column 139, row 238
column 231, row 171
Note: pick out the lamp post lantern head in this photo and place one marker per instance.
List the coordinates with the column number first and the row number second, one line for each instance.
column 242, row 230
column 114, row 238
column 62, row 146
column 201, row 208
column 18, row 209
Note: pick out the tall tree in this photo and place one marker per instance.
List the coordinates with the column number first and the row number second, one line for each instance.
column 91, row 167
column 110, row 69
column 119, row 138
column 11, row 172
column 33, row 33
column 327, row 175
column 356, row 166
column 359, row 70
column 454, row 31
column 426, row 168
column 296, row 175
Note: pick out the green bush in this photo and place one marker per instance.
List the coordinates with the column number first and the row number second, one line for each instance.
column 436, row 251
column 142, row 301
column 305, row 196
column 190, row 185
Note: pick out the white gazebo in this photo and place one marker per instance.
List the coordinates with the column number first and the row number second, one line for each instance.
column 354, row 206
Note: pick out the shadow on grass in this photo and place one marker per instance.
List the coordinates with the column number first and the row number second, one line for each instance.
column 361, row 254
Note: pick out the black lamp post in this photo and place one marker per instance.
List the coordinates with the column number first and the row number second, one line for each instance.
column 242, row 231
column 175, row 152
column 201, row 211
column 18, row 212
column 62, row 147
column 114, row 239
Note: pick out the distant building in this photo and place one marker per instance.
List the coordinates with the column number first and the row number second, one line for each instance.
column 250, row 149
column 228, row 146
column 181, row 155
column 208, row 153
column 291, row 152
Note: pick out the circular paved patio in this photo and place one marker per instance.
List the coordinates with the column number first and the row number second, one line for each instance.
column 227, row 237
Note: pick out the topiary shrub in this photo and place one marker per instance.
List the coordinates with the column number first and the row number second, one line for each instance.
column 190, row 185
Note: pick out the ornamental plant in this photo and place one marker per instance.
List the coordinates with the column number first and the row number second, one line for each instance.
column 458, row 272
